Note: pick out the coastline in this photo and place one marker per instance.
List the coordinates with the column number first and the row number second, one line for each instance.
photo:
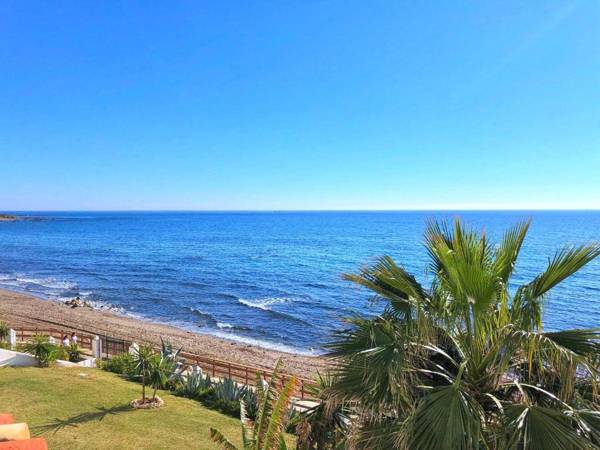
column 19, row 309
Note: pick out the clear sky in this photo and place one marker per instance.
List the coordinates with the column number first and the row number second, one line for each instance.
column 299, row 105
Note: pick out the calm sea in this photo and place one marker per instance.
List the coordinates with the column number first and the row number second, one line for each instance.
column 266, row 278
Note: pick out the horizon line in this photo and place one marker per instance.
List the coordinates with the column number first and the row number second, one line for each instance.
column 15, row 211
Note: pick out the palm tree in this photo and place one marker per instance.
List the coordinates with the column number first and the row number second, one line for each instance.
column 466, row 363
column 268, row 430
column 160, row 370
column 325, row 425
column 142, row 359
column 44, row 351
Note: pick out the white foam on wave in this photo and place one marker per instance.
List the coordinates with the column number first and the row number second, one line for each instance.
column 53, row 289
column 264, row 303
column 262, row 343
column 223, row 325
column 49, row 285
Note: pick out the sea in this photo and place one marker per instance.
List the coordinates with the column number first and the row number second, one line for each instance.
column 272, row 279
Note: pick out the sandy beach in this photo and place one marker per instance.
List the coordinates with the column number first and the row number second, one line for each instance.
column 27, row 311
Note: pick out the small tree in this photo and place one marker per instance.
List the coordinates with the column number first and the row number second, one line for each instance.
column 142, row 358
column 268, row 430
column 159, row 372
column 42, row 349
column 4, row 331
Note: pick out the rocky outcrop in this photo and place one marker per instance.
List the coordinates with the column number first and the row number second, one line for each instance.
column 78, row 303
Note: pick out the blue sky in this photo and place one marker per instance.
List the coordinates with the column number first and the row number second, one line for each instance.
column 299, row 105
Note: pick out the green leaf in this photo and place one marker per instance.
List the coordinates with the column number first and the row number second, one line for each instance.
column 564, row 264
column 223, row 442
column 540, row 428
column 583, row 341
column 393, row 283
column 508, row 251
column 446, row 419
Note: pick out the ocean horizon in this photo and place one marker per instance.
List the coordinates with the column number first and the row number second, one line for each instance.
column 270, row 278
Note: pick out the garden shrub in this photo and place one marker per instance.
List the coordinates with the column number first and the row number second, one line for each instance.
column 122, row 364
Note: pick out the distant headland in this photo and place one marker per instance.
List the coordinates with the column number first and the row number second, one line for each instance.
column 8, row 218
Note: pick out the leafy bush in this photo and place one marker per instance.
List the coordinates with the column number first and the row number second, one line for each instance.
column 122, row 364
column 4, row 331
column 74, row 353
column 5, row 345
column 62, row 353
column 42, row 349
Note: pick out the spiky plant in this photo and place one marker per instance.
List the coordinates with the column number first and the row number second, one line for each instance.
column 160, row 371
column 44, row 351
column 168, row 352
column 466, row 363
column 193, row 383
column 268, row 430
column 143, row 360
column 228, row 390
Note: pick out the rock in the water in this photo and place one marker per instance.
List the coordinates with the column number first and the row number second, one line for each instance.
column 75, row 302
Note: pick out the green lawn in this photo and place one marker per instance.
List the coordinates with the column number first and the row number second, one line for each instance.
column 88, row 409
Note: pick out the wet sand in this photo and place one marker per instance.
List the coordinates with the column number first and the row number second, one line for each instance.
column 22, row 310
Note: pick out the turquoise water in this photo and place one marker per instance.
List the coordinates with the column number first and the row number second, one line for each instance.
column 266, row 278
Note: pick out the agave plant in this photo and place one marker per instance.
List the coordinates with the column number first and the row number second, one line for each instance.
column 466, row 363
column 193, row 383
column 168, row 352
column 268, row 430
column 228, row 390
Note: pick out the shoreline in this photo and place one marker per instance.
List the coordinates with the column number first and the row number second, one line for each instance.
column 20, row 309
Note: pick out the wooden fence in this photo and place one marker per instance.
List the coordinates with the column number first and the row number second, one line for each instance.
column 215, row 368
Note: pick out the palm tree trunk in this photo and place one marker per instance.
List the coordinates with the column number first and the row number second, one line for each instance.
column 154, row 394
column 143, row 389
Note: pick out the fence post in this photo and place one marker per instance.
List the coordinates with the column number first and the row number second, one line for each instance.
column 97, row 347
column 12, row 338
column 134, row 348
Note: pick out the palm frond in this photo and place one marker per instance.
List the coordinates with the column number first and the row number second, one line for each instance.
column 266, row 394
column 358, row 350
column 540, row 428
column 278, row 417
column 447, row 418
column 589, row 424
column 221, row 440
column 582, row 341
column 508, row 251
column 564, row 264
column 248, row 440
column 391, row 282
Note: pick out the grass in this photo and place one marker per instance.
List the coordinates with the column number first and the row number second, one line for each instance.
column 89, row 409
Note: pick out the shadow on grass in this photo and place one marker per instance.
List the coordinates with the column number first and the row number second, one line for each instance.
column 101, row 412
